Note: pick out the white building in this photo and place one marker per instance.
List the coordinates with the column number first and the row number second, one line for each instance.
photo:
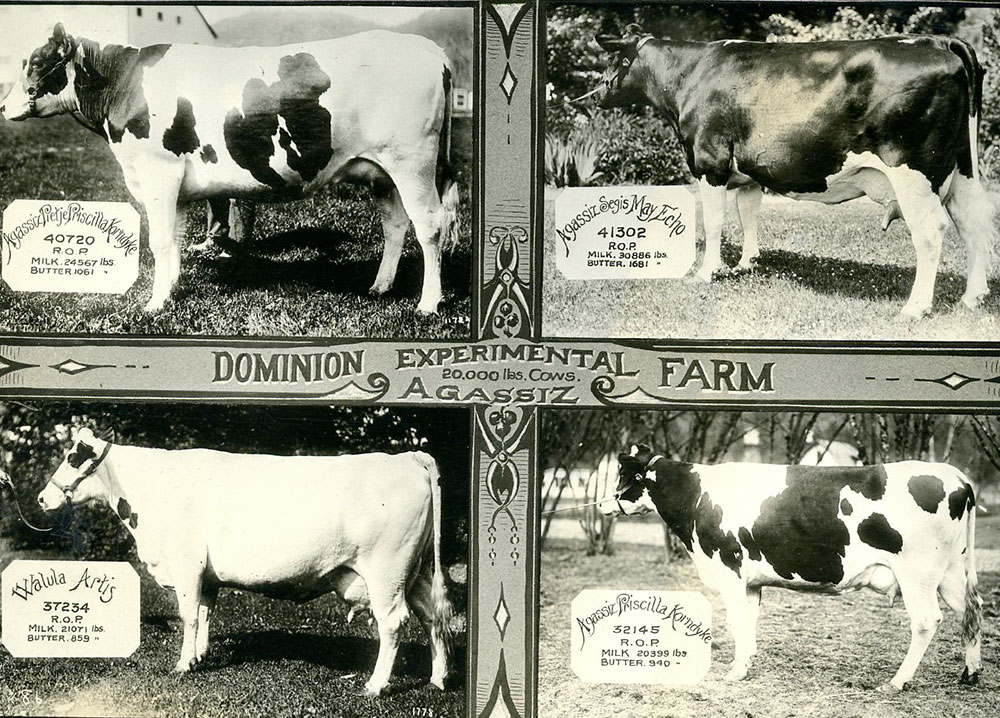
column 136, row 25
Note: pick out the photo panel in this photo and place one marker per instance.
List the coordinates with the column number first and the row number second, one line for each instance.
column 326, row 550
column 691, row 563
column 805, row 171
column 238, row 170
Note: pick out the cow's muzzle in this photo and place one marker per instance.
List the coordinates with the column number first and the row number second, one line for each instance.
column 51, row 498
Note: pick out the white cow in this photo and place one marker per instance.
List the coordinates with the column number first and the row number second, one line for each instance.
column 367, row 526
column 189, row 122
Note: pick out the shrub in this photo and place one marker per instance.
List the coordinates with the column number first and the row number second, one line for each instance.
column 639, row 148
column 571, row 161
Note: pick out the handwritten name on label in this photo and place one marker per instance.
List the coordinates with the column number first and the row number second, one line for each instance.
column 61, row 246
column 625, row 232
column 70, row 609
column 640, row 636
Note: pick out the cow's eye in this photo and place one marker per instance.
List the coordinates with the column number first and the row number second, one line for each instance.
column 626, row 62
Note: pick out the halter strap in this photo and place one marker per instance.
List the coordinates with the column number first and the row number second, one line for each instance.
column 33, row 90
column 90, row 470
column 653, row 461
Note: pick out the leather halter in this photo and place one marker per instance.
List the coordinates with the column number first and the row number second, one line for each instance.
column 68, row 490
column 33, row 89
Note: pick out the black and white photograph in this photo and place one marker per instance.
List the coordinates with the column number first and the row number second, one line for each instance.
column 291, row 171
column 843, row 160
column 292, row 560
column 781, row 519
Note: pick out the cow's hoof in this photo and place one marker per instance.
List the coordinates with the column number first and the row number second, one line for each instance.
column 380, row 288
column 736, row 674
column 747, row 268
column 889, row 689
column 185, row 666
column 438, row 682
column 154, row 305
column 200, row 247
column 971, row 303
column 914, row 311
column 372, row 691
column 967, row 679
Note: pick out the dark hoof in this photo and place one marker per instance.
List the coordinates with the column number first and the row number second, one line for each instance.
column 967, row 680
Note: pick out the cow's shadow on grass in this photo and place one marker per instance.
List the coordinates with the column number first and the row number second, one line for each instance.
column 341, row 654
column 329, row 260
column 848, row 278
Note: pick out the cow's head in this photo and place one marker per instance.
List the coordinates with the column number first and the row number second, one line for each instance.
column 75, row 481
column 632, row 492
column 46, row 84
column 622, row 82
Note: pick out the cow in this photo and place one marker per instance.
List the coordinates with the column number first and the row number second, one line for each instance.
column 902, row 528
column 366, row 526
column 189, row 122
column 893, row 118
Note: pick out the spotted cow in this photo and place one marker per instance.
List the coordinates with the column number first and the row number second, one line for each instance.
column 904, row 528
column 367, row 526
column 894, row 118
column 263, row 123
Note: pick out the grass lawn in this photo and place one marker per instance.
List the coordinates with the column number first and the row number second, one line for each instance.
column 825, row 272
column 265, row 658
column 818, row 656
column 307, row 273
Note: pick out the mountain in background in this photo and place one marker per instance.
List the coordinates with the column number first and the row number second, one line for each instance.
column 451, row 28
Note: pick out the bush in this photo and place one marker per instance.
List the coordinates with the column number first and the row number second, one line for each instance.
column 989, row 129
column 639, row 148
column 571, row 161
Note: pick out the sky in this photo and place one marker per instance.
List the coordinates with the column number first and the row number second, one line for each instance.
column 24, row 27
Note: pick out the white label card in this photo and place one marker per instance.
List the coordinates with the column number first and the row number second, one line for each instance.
column 625, row 232
column 61, row 246
column 641, row 636
column 70, row 609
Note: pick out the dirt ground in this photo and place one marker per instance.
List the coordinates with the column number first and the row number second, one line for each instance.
column 818, row 656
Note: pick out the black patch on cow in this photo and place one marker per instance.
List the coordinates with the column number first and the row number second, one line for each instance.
column 294, row 98
column 81, row 452
column 675, row 494
column 121, row 68
column 961, row 500
column 748, row 543
column 181, row 137
column 927, row 491
column 208, row 155
column 126, row 514
column 877, row 533
column 799, row 531
column 708, row 524
column 845, row 507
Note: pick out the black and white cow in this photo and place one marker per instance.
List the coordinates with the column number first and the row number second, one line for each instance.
column 894, row 119
column 189, row 122
column 367, row 526
column 904, row 528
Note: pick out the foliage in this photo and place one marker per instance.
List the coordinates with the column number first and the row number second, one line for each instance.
column 849, row 23
column 989, row 128
column 34, row 437
column 572, row 161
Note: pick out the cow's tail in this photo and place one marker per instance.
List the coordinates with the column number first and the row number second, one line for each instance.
column 446, row 185
column 974, row 73
column 972, row 620
column 441, row 618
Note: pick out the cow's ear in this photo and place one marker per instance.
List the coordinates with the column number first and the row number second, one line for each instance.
column 634, row 28
column 623, row 458
column 61, row 39
column 643, row 449
column 83, row 434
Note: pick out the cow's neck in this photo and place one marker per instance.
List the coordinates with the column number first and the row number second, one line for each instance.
column 108, row 86
column 666, row 65
column 122, row 499
column 675, row 494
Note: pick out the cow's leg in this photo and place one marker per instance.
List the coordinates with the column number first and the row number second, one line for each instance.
column 395, row 222
column 925, row 216
column 216, row 225
column 206, row 605
column 972, row 212
column 419, row 196
column 388, row 606
column 964, row 600
column 713, row 213
column 920, row 599
column 160, row 201
column 242, row 219
column 189, row 592
column 421, row 601
column 742, row 607
column 748, row 199
column 175, row 247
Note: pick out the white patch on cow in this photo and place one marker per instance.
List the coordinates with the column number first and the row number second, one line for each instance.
column 651, row 475
column 283, row 126
column 741, row 489
column 634, row 450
